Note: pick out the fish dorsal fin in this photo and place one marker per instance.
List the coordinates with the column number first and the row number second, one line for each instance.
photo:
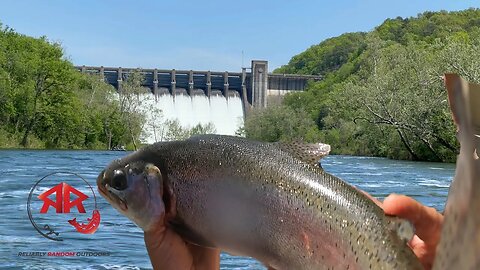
column 309, row 153
column 459, row 246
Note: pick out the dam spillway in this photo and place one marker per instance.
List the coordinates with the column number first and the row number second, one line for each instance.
column 225, row 114
column 202, row 97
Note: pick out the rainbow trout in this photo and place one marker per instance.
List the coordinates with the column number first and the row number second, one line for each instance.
column 263, row 200
column 272, row 202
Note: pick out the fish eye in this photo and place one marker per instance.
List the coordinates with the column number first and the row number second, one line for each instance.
column 119, row 180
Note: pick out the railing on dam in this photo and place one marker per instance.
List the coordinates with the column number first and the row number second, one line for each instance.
column 253, row 86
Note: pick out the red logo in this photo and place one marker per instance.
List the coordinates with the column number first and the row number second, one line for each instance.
column 64, row 199
column 62, row 203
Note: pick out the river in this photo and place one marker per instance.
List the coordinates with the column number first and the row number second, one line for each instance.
column 118, row 243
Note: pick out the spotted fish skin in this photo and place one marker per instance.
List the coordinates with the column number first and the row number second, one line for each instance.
column 255, row 199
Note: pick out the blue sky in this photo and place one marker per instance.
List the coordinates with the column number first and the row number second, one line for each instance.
column 201, row 35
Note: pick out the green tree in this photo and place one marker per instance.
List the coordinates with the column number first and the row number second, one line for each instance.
column 402, row 89
column 280, row 123
column 383, row 94
column 173, row 130
column 327, row 56
column 130, row 96
column 45, row 102
column 461, row 54
column 102, row 125
column 39, row 78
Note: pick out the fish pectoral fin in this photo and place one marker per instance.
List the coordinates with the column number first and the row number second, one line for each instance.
column 403, row 228
column 188, row 234
column 310, row 153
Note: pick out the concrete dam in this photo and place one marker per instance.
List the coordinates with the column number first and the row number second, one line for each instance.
column 202, row 97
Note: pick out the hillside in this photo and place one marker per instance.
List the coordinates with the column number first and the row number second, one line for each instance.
column 383, row 94
column 46, row 103
column 331, row 54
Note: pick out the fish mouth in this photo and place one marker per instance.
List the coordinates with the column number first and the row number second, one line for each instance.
column 114, row 196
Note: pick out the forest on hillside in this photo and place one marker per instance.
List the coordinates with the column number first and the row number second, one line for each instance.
column 383, row 92
column 46, row 103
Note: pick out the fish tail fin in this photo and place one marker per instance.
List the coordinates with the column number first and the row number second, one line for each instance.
column 459, row 246
column 73, row 221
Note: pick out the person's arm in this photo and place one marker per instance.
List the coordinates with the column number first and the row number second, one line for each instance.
column 167, row 250
column 426, row 220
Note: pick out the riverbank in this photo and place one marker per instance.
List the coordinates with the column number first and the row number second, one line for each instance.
column 7, row 142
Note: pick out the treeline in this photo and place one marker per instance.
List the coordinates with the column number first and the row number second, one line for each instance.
column 46, row 103
column 383, row 92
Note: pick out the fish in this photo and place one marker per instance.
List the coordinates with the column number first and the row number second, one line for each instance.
column 272, row 201
column 87, row 228
column 459, row 246
column 269, row 201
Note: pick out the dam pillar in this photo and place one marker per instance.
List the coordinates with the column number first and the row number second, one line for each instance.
column 190, row 83
column 102, row 73
column 225, row 84
column 259, row 83
column 119, row 79
column 246, row 105
column 209, row 83
column 155, row 82
column 173, row 82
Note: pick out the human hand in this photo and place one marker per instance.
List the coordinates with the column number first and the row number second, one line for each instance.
column 167, row 250
column 426, row 220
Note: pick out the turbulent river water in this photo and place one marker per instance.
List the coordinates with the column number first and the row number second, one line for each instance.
column 118, row 243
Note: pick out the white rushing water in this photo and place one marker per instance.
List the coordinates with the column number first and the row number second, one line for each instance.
column 226, row 115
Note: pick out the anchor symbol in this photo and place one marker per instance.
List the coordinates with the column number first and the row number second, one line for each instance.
column 50, row 231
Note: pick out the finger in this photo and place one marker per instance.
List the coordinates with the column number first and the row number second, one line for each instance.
column 420, row 250
column 417, row 245
column 426, row 220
